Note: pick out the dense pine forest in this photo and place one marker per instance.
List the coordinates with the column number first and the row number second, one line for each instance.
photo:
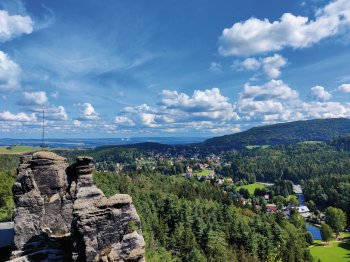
column 185, row 220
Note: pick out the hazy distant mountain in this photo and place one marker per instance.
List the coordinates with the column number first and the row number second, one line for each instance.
column 284, row 133
column 96, row 142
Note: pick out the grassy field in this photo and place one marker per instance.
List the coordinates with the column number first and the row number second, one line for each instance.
column 311, row 142
column 18, row 149
column 338, row 251
column 251, row 187
column 203, row 172
column 257, row 146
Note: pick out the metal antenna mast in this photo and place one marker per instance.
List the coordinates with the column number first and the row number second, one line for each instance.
column 43, row 136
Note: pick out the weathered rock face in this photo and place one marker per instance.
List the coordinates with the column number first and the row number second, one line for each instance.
column 62, row 216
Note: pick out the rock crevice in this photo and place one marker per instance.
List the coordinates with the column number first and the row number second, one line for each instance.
column 62, row 216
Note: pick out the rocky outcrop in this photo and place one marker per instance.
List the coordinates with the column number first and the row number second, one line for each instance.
column 62, row 216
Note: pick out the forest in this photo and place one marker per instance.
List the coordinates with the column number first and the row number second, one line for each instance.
column 185, row 220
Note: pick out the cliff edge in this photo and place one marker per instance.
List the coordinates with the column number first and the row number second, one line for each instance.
column 62, row 216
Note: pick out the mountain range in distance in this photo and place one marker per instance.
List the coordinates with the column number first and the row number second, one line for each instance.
column 97, row 142
column 275, row 134
column 284, row 133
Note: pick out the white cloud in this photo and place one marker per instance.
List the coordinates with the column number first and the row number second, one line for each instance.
column 277, row 102
column 325, row 110
column 14, row 25
column 124, row 121
column 274, row 89
column 148, row 119
column 320, row 94
column 268, row 101
column 251, row 64
column 215, row 67
column 76, row 123
column 22, row 117
column 9, row 73
column 34, row 98
column 209, row 103
column 88, row 112
column 271, row 65
column 56, row 113
column 255, row 36
column 136, row 109
column 203, row 110
column 345, row 88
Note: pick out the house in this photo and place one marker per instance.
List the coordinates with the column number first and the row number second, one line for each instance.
column 220, row 181
column 271, row 208
column 188, row 172
column 304, row 211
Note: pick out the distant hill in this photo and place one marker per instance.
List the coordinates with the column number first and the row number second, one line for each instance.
column 284, row 133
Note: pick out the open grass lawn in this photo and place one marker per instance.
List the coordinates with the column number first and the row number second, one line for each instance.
column 256, row 146
column 336, row 251
column 311, row 142
column 251, row 187
column 203, row 172
column 18, row 149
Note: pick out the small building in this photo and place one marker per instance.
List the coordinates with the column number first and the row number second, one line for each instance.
column 304, row 211
column 271, row 208
column 220, row 181
column 188, row 172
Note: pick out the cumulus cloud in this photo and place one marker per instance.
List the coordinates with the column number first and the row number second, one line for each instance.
column 202, row 111
column 344, row 88
column 12, row 26
column 9, row 73
column 324, row 110
column 76, row 123
column 21, row 117
column 123, row 121
column 251, row 64
column 209, row 103
column 255, row 36
column 137, row 109
column 88, row 112
column 319, row 93
column 274, row 89
column 34, row 98
column 275, row 101
column 268, row 101
column 56, row 113
column 271, row 65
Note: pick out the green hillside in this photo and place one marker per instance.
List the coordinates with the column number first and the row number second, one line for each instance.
column 284, row 133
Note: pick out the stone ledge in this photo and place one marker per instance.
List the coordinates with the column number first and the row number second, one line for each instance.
column 47, row 155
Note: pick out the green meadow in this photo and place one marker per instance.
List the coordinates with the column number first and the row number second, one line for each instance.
column 18, row 149
column 335, row 251
column 251, row 187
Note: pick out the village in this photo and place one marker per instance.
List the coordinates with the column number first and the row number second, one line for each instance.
column 258, row 196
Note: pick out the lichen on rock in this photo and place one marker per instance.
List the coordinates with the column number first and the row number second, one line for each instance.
column 62, row 216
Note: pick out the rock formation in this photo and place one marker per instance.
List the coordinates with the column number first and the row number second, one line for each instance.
column 62, row 216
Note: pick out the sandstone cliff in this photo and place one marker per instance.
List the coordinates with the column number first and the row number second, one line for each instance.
column 62, row 216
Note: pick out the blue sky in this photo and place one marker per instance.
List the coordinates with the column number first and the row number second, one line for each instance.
column 170, row 68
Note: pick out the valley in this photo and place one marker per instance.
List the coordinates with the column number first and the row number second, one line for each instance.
column 196, row 203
